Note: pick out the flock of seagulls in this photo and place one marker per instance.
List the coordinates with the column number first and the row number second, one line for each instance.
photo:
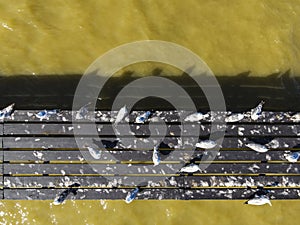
column 258, row 199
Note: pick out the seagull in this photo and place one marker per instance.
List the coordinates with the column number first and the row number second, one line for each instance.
column 143, row 118
column 7, row 111
column 234, row 117
column 62, row 196
column 295, row 117
column 256, row 112
column 156, row 156
column 132, row 195
column 206, row 144
column 95, row 153
column 121, row 114
column 190, row 168
column 82, row 112
column 273, row 144
column 259, row 200
column 195, row 117
column 292, row 157
column 257, row 147
column 45, row 114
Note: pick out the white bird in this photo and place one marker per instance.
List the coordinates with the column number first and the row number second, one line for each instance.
column 82, row 112
column 295, row 117
column 155, row 156
column 45, row 114
column 259, row 200
column 121, row 114
column 257, row 147
column 95, row 153
column 206, row 144
column 132, row 195
column 256, row 112
column 190, row 168
column 7, row 111
column 273, row 144
column 292, row 157
column 143, row 118
column 195, row 117
column 234, row 117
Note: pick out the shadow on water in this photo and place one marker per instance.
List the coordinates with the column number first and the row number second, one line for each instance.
column 281, row 91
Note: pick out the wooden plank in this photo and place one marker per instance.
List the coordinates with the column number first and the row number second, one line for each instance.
column 156, row 194
column 168, row 181
column 137, row 143
column 242, row 181
column 167, row 116
column 143, row 129
column 123, row 169
column 1, row 128
column 84, row 181
column 14, row 129
column 142, row 155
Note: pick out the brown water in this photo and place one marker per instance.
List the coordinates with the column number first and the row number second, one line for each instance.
column 149, row 212
column 65, row 36
column 61, row 37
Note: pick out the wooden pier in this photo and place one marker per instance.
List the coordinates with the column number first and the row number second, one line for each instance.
column 40, row 158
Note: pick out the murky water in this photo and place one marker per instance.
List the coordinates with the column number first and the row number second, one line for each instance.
column 61, row 37
column 64, row 37
column 148, row 212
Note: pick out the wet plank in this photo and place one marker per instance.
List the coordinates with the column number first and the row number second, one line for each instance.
column 142, row 155
column 142, row 169
column 143, row 129
column 157, row 194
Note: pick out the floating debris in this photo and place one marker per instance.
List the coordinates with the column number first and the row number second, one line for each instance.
column 132, row 195
column 292, row 157
column 234, row 117
column 257, row 147
column 143, row 118
column 156, row 156
column 206, row 144
column 95, row 153
column 73, row 188
column 195, row 117
column 123, row 112
column 82, row 112
column 190, row 168
column 45, row 114
column 256, row 112
column 259, row 200
column 7, row 111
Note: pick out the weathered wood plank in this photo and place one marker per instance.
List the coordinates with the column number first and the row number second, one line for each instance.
column 173, row 181
column 123, row 169
column 167, row 116
column 84, row 181
column 143, row 129
column 242, row 181
column 137, row 143
column 158, row 194
column 141, row 155
column 84, row 129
